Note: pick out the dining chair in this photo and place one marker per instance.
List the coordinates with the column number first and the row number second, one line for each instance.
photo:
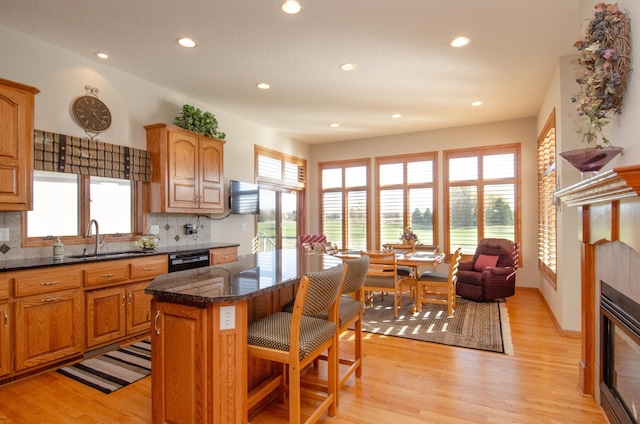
column 295, row 339
column 382, row 276
column 438, row 288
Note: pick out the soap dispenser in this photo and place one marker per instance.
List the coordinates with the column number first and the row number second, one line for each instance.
column 58, row 250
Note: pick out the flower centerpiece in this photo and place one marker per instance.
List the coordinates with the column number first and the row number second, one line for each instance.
column 408, row 236
column 148, row 242
column 605, row 57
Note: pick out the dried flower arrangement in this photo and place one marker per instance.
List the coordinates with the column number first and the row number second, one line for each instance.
column 605, row 59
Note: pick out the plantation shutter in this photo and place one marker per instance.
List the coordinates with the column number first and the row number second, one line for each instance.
column 546, row 205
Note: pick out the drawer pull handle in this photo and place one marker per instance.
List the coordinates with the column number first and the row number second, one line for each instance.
column 149, row 268
column 51, row 299
column 6, row 319
column 111, row 274
column 130, row 298
column 155, row 322
column 48, row 283
column 123, row 299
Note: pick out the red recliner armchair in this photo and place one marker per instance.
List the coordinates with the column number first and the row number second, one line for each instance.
column 492, row 272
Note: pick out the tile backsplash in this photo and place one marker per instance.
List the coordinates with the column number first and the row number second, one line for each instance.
column 171, row 234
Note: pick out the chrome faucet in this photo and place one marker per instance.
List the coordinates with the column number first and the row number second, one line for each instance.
column 93, row 221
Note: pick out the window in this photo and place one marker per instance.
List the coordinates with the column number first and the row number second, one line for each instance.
column 344, row 203
column 282, row 181
column 546, row 204
column 481, row 195
column 77, row 179
column 406, row 197
column 59, row 205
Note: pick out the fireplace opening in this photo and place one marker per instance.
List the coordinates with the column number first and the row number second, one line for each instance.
column 620, row 356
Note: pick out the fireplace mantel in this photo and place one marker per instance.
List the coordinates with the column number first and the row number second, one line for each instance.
column 609, row 210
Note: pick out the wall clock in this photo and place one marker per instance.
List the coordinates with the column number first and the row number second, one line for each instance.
column 91, row 113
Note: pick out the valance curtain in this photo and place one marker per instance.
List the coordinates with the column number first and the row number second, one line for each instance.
column 80, row 155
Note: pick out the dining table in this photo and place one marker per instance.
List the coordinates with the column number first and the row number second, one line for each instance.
column 412, row 259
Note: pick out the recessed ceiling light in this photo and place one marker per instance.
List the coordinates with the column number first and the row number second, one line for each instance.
column 478, row 103
column 186, row 42
column 460, row 41
column 291, row 7
column 396, row 115
column 102, row 55
column 263, row 86
column 334, row 125
column 348, row 66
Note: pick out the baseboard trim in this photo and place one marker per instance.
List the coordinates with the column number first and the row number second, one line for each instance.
column 559, row 329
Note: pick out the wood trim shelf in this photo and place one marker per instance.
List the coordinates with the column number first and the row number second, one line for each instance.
column 615, row 184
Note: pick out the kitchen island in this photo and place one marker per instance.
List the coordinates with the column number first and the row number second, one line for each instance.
column 200, row 371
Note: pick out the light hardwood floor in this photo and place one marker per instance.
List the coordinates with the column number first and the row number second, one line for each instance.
column 403, row 381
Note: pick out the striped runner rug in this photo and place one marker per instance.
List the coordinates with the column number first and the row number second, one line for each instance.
column 113, row 370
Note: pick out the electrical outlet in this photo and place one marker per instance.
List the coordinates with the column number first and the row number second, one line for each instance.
column 227, row 317
column 155, row 229
column 4, row 234
column 189, row 229
column 243, row 226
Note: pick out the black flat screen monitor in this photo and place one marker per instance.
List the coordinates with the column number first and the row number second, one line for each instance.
column 244, row 198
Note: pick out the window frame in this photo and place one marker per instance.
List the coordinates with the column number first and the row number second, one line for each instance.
column 405, row 186
column 280, row 184
column 343, row 166
column 139, row 192
column 547, row 206
column 479, row 152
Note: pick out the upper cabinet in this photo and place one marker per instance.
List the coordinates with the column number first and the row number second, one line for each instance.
column 16, row 145
column 187, row 171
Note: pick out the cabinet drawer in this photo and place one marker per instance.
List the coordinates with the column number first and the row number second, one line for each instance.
column 4, row 288
column 149, row 267
column 223, row 255
column 106, row 272
column 46, row 280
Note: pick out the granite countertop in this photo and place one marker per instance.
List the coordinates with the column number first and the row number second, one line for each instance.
column 252, row 275
column 30, row 263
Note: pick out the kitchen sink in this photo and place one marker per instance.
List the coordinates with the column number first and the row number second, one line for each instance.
column 131, row 253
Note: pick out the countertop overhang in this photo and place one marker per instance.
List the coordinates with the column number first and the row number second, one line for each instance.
column 252, row 275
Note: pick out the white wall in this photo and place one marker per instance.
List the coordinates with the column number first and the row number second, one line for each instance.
column 516, row 131
column 622, row 131
column 61, row 76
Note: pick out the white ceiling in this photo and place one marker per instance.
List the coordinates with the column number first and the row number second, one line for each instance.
column 401, row 47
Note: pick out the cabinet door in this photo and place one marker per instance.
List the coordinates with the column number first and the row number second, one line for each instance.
column 179, row 392
column 138, row 308
column 48, row 327
column 105, row 315
column 211, row 184
column 5, row 339
column 16, row 145
column 183, row 170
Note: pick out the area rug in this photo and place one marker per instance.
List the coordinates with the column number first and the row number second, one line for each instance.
column 113, row 370
column 475, row 325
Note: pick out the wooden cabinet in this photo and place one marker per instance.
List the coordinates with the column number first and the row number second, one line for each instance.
column 6, row 320
column 187, row 171
column 16, row 145
column 48, row 316
column 223, row 255
column 115, row 312
column 178, row 344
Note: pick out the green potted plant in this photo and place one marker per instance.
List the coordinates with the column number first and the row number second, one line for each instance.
column 605, row 57
column 193, row 119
